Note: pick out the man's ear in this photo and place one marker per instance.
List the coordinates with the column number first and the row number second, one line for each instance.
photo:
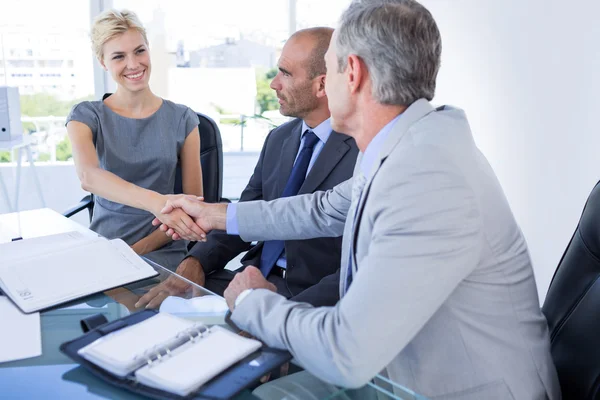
column 356, row 72
column 320, row 81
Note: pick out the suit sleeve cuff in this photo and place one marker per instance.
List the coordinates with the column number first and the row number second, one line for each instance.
column 232, row 223
column 247, row 311
column 242, row 296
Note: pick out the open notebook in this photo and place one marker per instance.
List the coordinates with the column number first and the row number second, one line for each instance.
column 169, row 353
column 43, row 272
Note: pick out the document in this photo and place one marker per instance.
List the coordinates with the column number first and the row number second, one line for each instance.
column 46, row 271
column 20, row 335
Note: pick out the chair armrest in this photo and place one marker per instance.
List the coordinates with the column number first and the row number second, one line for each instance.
column 85, row 204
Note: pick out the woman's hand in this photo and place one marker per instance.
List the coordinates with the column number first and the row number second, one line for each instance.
column 178, row 220
column 183, row 224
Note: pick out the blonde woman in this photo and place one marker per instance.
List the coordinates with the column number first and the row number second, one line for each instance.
column 127, row 146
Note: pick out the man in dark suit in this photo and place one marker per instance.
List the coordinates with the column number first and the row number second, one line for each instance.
column 301, row 156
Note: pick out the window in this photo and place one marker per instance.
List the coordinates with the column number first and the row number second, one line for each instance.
column 35, row 46
column 19, row 63
column 220, row 66
column 319, row 13
column 211, row 56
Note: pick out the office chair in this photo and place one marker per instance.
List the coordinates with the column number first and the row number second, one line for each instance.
column 211, row 159
column 572, row 308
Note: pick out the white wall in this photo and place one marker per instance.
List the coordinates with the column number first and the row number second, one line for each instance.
column 527, row 72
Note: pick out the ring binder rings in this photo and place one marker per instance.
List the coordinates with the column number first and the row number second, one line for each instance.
column 168, row 369
column 156, row 353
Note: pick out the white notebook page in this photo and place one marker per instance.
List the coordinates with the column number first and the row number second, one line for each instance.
column 20, row 335
column 195, row 363
column 117, row 352
column 42, row 272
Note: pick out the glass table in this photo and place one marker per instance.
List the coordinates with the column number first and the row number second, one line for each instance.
column 54, row 375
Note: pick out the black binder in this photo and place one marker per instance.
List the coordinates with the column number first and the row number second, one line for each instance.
column 224, row 386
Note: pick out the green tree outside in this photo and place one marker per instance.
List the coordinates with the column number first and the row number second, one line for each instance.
column 4, row 156
column 43, row 105
column 266, row 98
column 64, row 151
column 44, row 157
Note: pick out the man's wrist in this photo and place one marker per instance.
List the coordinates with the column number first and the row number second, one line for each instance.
column 218, row 216
column 241, row 297
column 188, row 263
column 190, row 266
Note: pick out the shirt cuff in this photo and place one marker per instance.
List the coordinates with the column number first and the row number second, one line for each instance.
column 242, row 296
column 232, row 223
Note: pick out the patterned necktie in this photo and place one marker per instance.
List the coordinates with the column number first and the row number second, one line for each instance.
column 272, row 249
column 358, row 186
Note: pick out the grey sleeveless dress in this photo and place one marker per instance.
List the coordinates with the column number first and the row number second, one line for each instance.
column 144, row 152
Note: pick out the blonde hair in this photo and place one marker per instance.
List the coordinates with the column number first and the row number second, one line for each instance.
column 112, row 23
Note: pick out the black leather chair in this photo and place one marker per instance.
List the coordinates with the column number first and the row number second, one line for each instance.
column 211, row 158
column 572, row 308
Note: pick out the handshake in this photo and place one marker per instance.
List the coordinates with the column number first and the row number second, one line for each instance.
column 189, row 217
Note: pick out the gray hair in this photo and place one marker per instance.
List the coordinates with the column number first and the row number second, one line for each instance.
column 400, row 44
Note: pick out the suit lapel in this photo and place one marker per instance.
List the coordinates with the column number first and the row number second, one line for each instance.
column 418, row 110
column 333, row 151
column 289, row 149
column 347, row 236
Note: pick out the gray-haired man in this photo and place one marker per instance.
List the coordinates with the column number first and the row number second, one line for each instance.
column 437, row 289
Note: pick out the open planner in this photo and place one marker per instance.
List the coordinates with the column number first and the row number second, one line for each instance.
column 165, row 356
column 46, row 271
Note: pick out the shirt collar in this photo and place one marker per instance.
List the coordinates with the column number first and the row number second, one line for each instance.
column 323, row 130
column 373, row 148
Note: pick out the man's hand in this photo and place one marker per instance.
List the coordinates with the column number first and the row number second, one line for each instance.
column 189, row 268
column 249, row 278
column 206, row 216
column 181, row 223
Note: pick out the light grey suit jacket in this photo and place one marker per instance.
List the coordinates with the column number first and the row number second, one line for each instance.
column 443, row 298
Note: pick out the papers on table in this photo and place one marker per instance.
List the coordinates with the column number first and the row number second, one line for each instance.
column 20, row 335
column 46, row 271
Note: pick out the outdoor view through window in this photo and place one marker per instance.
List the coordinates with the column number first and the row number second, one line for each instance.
column 216, row 57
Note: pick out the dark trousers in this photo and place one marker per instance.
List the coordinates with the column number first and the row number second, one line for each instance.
column 218, row 281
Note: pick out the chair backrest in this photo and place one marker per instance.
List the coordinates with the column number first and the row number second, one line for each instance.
column 211, row 158
column 572, row 307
